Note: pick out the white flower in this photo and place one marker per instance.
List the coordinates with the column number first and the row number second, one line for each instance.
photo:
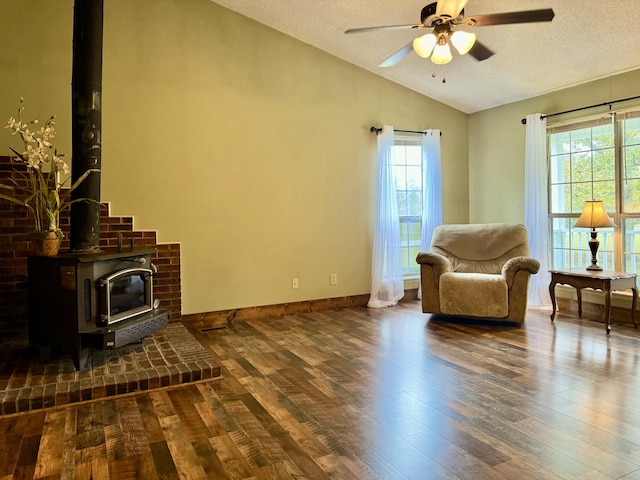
column 31, row 154
column 41, row 190
column 48, row 132
column 14, row 125
column 27, row 135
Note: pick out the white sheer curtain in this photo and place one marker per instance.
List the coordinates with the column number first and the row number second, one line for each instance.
column 431, row 186
column 431, row 189
column 536, row 217
column 387, row 280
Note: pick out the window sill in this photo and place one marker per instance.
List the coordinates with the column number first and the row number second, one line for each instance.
column 411, row 281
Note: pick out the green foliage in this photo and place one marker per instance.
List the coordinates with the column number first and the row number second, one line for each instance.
column 583, row 167
column 407, row 172
column 40, row 188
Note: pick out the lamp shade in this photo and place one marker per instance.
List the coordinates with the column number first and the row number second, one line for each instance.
column 424, row 45
column 441, row 54
column 463, row 41
column 594, row 216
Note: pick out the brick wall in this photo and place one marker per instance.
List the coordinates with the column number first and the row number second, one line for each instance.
column 15, row 226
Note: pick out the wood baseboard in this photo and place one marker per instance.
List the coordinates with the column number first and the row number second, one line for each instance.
column 221, row 318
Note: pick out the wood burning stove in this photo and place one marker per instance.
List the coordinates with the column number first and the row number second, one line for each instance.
column 102, row 300
column 126, row 293
column 90, row 298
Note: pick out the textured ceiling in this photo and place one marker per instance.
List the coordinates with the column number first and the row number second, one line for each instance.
column 586, row 40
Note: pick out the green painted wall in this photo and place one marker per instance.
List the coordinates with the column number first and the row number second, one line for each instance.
column 497, row 145
column 245, row 145
column 497, row 142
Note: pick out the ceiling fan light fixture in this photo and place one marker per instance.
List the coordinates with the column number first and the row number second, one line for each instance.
column 423, row 45
column 444, row 16
column 463, row 41
column 441, row 54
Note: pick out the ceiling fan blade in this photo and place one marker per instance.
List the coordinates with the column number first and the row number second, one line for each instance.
column 396, row 57
column 480, row 52
column 450, row 8
column 526, row 16
column 383, row 27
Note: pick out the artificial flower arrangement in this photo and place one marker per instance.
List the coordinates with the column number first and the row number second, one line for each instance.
column 40, row 188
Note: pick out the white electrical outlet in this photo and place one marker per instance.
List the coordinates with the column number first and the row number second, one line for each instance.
column 333, row 279
column 294, row 283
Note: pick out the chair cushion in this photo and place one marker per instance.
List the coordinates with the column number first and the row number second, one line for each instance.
column 480, row 248
column 474, row 294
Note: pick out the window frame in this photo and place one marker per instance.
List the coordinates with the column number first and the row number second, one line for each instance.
column 619, row 254
column 407, row 244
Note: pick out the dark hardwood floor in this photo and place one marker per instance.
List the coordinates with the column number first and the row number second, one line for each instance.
column 363, row 394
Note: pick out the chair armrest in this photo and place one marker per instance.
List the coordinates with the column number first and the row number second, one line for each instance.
column 439, row 264
column 436, row 260
column 516, row 264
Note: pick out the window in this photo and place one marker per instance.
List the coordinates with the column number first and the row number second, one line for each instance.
column 407, row 172
column 598, row 159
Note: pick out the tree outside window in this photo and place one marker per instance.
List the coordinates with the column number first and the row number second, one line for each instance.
column 407, row 172
column 599, row 160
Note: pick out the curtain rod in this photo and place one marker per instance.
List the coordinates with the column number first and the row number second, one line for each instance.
column 378, row 130
column 524, row 120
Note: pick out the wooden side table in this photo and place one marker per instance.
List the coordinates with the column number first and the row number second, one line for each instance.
column 606, row 281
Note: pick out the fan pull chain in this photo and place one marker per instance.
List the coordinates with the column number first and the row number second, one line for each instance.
column 444, row 79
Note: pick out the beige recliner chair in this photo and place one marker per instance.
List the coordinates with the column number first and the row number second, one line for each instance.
column 477, row 270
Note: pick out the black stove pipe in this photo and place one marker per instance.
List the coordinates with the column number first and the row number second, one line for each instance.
column 86, row 120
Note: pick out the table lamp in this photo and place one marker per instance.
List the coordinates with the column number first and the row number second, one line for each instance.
column 594, row 216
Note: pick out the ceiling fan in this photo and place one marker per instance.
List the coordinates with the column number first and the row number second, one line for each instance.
column 443, row 17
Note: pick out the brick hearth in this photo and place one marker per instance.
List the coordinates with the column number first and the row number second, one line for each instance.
column 15, row 225
column 166, row 358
